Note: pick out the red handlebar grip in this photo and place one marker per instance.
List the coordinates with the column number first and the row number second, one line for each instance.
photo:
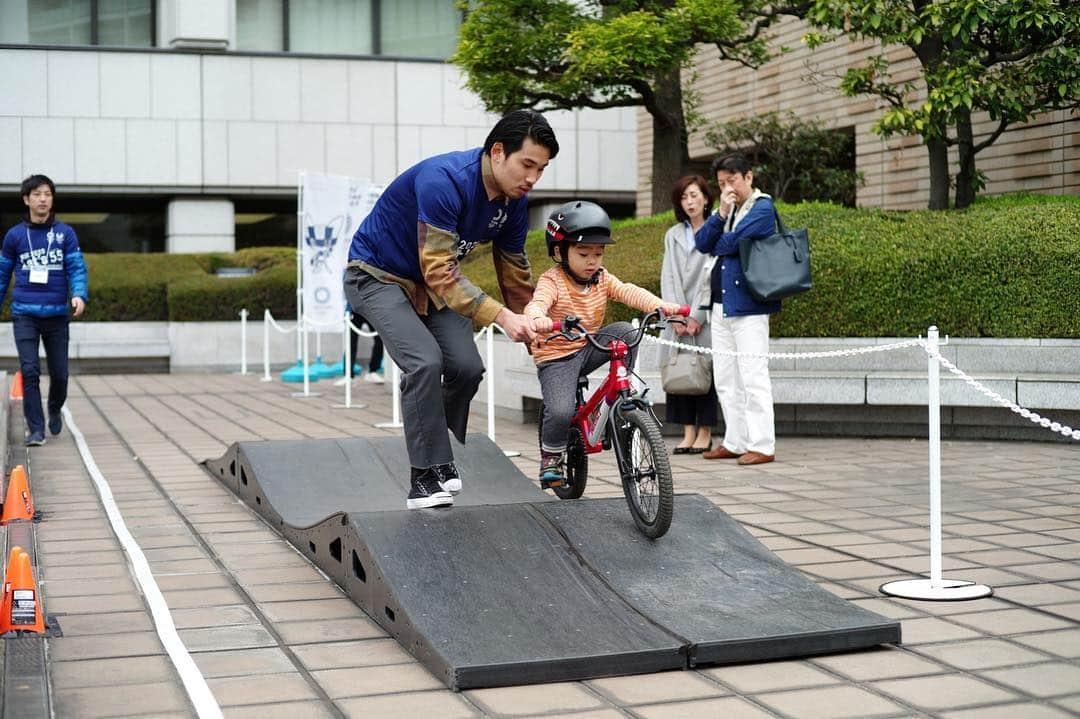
column 556, row 326
column 684, row 311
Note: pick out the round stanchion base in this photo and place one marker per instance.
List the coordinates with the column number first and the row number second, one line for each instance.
column 389, row 425
column 511, row 453
column 354, row 405
column 949, row 590
column 301, row 395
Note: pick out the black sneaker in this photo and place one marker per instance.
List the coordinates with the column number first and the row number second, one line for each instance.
column 55, row 423
column 449, row 479
column 426, row 490
column 35, row 439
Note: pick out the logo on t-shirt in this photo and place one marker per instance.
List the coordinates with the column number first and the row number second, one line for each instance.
column 464, row 247
column 496, row 223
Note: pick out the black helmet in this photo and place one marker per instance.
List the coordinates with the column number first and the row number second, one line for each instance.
column 579, row 223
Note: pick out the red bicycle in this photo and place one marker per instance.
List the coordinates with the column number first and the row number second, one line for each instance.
column 615, row 417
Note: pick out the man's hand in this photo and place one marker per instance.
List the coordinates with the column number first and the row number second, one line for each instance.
column 517, row 327
column 693, row 327
column 78, row 304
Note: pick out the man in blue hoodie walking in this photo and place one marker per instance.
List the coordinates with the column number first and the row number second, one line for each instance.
column 48, row 265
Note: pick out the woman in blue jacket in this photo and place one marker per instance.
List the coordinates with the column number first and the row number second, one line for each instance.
column 739, row 322
column 44, row 255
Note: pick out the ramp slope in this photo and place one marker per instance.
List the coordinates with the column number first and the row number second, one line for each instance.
column 513, row 587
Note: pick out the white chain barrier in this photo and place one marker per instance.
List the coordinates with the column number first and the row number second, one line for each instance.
column 1023, row 412
column 268, row 322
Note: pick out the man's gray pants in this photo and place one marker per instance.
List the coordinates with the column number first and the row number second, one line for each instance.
column 558, row 384
column 440, row 366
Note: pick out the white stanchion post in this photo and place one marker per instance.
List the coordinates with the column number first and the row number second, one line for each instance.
column 935, row 588
column 348, row 367
column 489, row 351
column 243, row 341
column 395, row 378
column 266, row 346
column 304, row 360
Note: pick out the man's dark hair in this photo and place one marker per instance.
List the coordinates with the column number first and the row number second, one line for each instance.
column 35, row 181
column 513, row 128
column 680, row 187
column 735, row 162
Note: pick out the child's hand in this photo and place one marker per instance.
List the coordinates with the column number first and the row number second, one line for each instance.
column 670, row 309
column 542, row 325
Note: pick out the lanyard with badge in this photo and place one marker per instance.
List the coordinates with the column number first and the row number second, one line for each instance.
column 39, row 274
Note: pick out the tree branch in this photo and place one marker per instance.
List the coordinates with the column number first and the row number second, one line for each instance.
column 1002, row 124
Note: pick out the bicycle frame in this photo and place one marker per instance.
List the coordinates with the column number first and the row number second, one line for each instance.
column 593, row 415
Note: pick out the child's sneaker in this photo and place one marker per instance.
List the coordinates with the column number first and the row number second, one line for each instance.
column 551, row 469
column 449, row 479
column 426, row 490
column 374, row 377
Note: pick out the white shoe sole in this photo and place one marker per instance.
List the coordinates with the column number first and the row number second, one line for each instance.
column 439, row 499
column 374, row 378
column 451, row 485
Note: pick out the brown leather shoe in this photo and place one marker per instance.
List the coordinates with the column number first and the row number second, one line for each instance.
column 756, row 458
column 720, row 452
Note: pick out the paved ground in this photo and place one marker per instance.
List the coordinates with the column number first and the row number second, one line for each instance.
column 275, row 638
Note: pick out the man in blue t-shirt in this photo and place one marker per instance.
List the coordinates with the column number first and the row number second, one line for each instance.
column 405, row 277
column 48, row 266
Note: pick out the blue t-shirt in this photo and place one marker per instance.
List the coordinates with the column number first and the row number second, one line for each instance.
column 446, row 192
column 50, row 246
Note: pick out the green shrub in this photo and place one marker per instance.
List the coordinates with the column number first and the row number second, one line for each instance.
column 1004, row 267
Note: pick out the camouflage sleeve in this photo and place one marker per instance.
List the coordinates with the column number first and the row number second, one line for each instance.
column 515, row 277
column 446, row 285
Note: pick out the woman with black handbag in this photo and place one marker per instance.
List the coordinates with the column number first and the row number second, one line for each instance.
column 690, row 402
column 740, row 323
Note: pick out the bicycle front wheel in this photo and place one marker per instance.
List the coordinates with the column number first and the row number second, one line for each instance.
column 646, row 472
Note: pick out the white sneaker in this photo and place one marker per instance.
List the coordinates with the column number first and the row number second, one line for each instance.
column 341, row 382
column 374, row 378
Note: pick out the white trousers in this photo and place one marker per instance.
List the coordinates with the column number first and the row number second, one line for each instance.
column 742, row 384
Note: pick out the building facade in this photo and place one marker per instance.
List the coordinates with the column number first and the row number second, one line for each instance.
column 182, row 125
column 1040, row 156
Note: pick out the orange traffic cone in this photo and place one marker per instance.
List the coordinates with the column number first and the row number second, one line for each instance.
column 18, row 504
column 21, row 606
column 16, row 386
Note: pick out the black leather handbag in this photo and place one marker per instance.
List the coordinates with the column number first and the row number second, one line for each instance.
column 776, row 266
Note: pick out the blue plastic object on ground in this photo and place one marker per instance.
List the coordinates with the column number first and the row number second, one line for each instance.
column 296, row 374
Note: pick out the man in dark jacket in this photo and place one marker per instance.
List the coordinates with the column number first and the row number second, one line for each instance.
column 44, row 255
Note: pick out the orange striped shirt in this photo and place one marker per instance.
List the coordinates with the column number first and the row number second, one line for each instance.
column 557, row 296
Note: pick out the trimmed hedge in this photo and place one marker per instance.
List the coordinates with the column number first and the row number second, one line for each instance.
column 1006, row 267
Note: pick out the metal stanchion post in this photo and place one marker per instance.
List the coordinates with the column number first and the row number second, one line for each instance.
column 395, row 378
column 266, row 346
column 243, row 341
column 935, row 588
column 348, row 367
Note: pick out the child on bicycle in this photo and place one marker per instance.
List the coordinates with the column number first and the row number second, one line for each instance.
column 577, row 234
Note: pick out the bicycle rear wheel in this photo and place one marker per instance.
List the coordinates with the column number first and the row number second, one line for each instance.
column 646, row 472
column 577, row 461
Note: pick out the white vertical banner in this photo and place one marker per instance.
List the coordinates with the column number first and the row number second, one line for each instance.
column 331, row 209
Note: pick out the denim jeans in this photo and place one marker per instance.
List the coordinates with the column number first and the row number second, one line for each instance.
column 53, row 332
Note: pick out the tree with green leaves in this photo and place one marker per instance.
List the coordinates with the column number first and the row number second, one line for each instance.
column 563, row 54
column 1012, row 59
column 794, row 159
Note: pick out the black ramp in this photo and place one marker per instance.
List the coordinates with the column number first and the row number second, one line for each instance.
column 511, row 586
column 306, row 481
column 495, row 597
column 712, row 582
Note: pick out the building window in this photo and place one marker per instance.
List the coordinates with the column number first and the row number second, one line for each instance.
column 102, row 224
column 119, row 23
column 400, row 28
column 269, row 222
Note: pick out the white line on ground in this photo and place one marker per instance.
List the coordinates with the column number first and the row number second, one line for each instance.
column 198, row 691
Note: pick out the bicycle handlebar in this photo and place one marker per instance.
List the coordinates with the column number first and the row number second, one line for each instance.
column 564, row 328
